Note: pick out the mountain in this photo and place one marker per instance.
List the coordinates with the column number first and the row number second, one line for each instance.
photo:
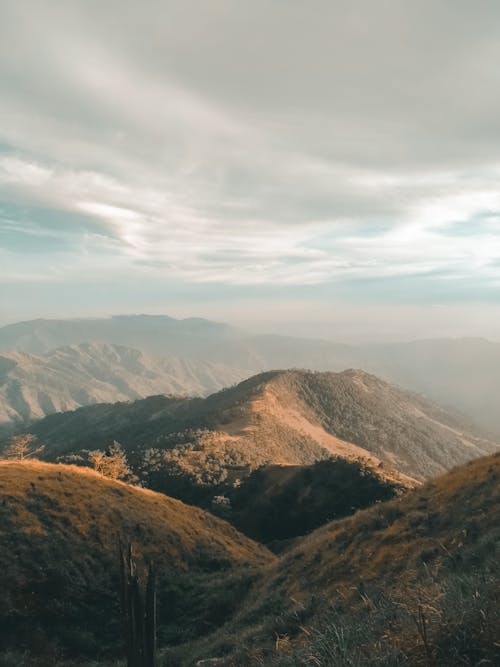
column 60, row 528
column 154, row 334
column 412, row 581
column 186, row 446
column 69, row 377
column 462, row 374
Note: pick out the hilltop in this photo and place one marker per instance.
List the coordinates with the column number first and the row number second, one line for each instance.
column 66, row 378
column 279, row 417
column 60, row 527
column 412, row 581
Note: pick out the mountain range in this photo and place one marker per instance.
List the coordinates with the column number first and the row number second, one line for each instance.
column 459, row 374
column 382, row 556
column 33, row 386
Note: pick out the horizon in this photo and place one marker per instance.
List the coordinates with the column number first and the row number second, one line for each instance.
column 253, row 332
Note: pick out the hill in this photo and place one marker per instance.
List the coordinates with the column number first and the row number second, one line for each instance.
column 280, row 417
column 32, row 387
column 436, row 368
column 412, row 581
column 278, row 503
column 59, row 528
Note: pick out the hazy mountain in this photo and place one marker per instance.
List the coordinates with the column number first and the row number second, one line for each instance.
column 60, row 528
column 69, row 377
column 459, row 373
column 279, row 417
column 154, row 334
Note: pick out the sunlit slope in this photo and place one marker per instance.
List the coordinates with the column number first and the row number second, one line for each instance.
column 280, row 417
column 60, row 527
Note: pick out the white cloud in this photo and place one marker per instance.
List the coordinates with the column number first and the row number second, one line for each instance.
column 251, row 144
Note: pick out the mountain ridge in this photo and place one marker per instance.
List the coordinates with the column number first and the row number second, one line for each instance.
column 277, row 417
column 34, row 386
column 434, row 367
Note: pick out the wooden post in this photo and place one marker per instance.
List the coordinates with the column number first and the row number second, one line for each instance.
column 138, row 611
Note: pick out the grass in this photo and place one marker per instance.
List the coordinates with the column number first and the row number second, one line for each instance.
column 59, row 532
column 413, row 581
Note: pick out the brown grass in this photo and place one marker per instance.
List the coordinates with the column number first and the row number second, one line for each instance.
column 61, row 501
column 414, row 581
column 59, row 532
column 395, row 538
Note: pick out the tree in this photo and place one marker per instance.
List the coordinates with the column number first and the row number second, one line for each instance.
column 112, row 463
column 22, row 447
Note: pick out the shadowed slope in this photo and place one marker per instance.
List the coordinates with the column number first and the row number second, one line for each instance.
column 60, row 527
column 283, row 502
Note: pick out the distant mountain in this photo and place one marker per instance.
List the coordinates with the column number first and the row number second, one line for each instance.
column 463, row 374
column 280, row 417
column 154, row 334
column 69, row 377
column 60, row 529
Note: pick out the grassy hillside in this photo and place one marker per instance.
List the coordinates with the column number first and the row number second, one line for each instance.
column 194, row 449
column 59, row 533
column 413, row 581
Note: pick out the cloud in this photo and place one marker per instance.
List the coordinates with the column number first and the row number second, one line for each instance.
column 251, row 144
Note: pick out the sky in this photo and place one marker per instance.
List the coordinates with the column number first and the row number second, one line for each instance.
column 320, row 168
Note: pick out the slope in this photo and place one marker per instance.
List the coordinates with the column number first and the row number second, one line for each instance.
column 32, row 387
column 60, row 527
column 412, row 581
column 278, row 503
column 279, row 417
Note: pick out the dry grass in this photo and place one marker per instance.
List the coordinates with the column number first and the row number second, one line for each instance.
column 42, row 497
column 59, row 532
column 397, row 537
column 412, row 581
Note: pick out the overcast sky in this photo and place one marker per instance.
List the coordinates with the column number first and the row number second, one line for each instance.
column 325, row 168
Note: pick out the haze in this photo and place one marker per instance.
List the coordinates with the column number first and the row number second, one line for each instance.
column 323, row 168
